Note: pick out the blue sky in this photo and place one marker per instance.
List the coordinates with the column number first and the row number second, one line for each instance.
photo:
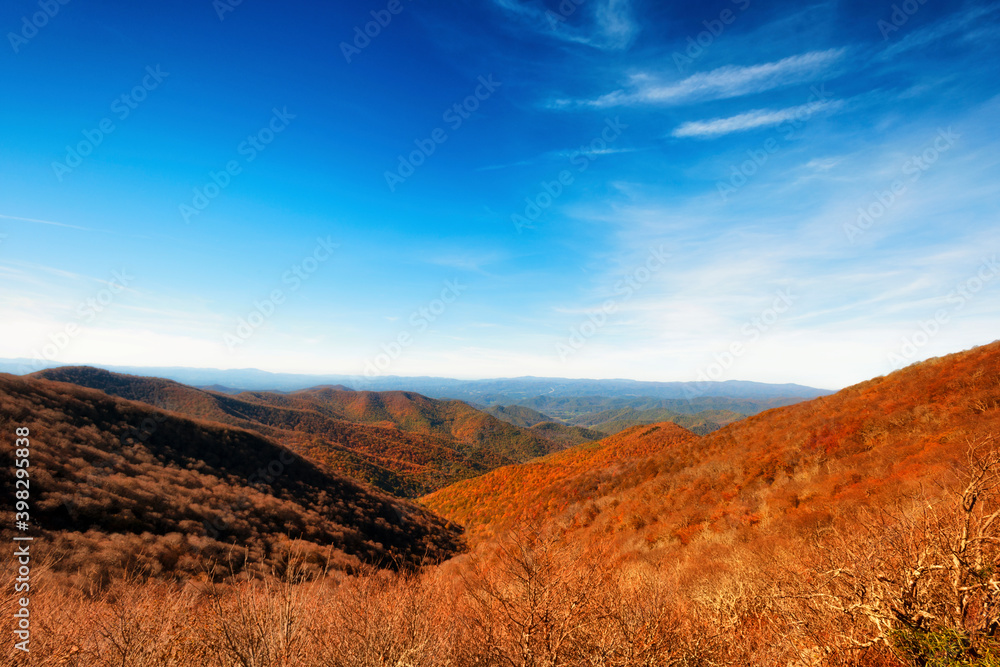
column 649, row 190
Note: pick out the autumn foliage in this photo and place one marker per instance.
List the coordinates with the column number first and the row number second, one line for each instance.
column 858, row 529
column 399, row 441
column 119, row 486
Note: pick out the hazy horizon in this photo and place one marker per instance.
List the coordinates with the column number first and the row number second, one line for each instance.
column 22, row 366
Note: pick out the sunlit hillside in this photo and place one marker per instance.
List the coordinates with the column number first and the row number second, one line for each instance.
column 791, row 472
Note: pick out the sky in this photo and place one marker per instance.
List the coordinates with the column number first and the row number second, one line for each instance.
column 751, row 190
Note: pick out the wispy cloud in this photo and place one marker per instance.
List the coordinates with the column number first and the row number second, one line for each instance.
column 955, row 24
column 722, row 83
column 753, row 119
column 611, row 27
column 44, row 222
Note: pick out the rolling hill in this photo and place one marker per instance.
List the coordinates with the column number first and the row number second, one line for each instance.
column 540, row 490
column 543, row 425
column 583, row 409
column 610, row 422
column 588, row 426
column 518, row 415
column 402, row 442
column 565, row 434
column 119, row 485
column 787, row 473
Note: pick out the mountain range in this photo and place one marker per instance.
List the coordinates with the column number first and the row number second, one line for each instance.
column 485, row 392
column 760, row 539
column 401, row 442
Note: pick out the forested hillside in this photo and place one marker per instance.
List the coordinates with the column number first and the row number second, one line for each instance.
column 402, row 442
column 120, row 486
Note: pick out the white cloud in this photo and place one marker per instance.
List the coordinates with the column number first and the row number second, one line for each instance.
column 722, row 83
column 753, row 120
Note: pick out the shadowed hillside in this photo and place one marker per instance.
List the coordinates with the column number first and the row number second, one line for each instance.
column 518, row 415
column 565, row 434
column 610, row 422
column 589, row 426
column 117, row 484
column 402, row 442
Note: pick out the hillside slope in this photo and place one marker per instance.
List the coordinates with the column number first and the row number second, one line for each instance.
column 402, row 442
column 566, row 434
column 610, row 422
column 117, row 484
column 543, row 425
column 518, row 415
column 792, row 471
column 547, row 487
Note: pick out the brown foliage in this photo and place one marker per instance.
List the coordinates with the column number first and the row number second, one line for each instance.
column 121, row 487
column 400, row 441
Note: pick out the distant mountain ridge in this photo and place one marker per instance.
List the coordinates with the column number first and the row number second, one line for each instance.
column 518, row 415
column 487, row 392
column 587, row 427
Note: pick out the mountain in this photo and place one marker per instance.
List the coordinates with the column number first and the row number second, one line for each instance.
column 538, row 490
column 119, row 485
column 487, row 392
column 610, row 422
column 582, row 410
column 402, row 442
column 518, row 415
column 787, row 473
column 543, row 425
column 565, row 434
column 606, row 415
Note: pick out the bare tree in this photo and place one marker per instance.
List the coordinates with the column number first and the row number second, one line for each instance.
column 924, row 583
